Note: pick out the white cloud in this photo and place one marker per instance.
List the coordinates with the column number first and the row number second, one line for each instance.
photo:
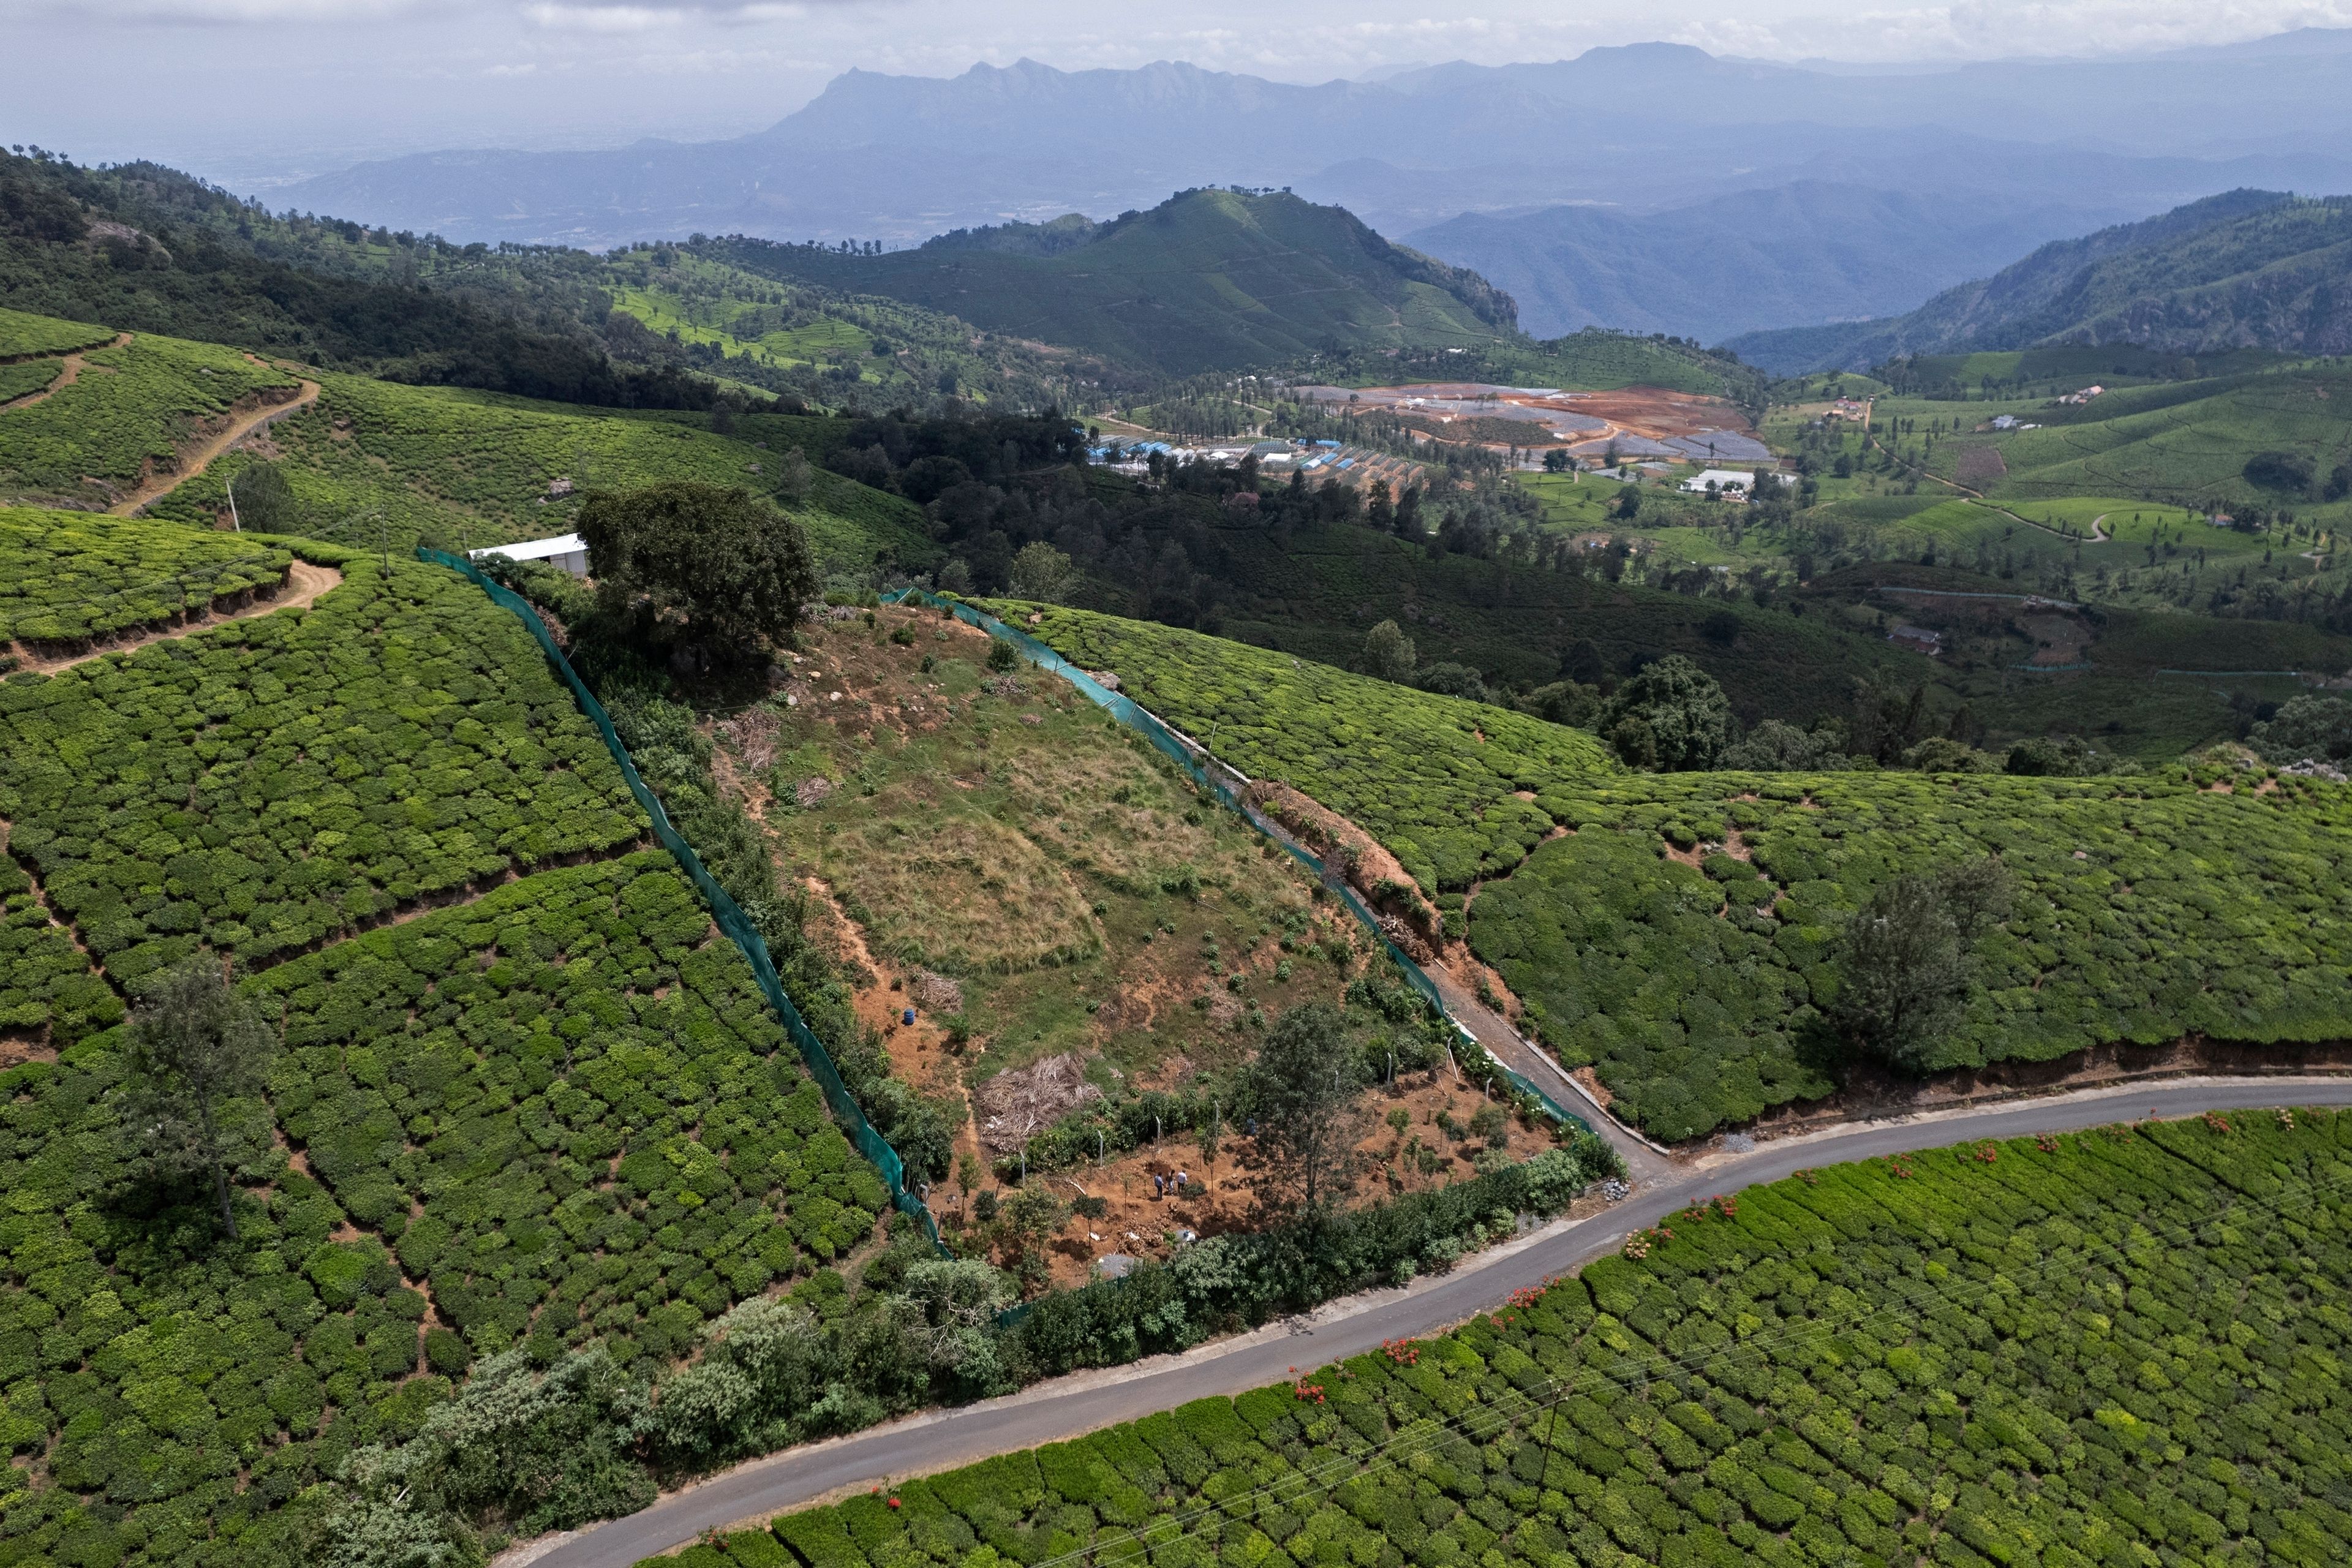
column 231, row 11
column 2010, row 29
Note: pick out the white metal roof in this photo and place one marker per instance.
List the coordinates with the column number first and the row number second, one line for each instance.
column 537, row 549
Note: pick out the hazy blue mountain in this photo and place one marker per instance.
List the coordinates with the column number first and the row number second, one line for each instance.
column 2244, row 270
column 900, row 158
column 1800, row 254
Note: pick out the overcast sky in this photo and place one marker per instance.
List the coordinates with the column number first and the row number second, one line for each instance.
column 250, row 92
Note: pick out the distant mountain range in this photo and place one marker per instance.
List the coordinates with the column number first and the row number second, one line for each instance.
column 1208, row 279
column 1643, row 128
column 2244, row 270
column 1810, row 251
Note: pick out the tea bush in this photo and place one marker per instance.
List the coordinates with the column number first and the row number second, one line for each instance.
column 171, row 1387
column 130, row 407
column 1432, row 778
column 569, row 1108
column 21, row 333
column 2147, row 907
column 2114, row 1348
column 267, row 784
column 64, row 576
column 458, row 467
column 31, row 376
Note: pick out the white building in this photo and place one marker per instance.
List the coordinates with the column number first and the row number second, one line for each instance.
column 1728, row 481
column 568, row 551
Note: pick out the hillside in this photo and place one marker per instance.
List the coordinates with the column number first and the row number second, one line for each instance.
column 1208, row 279
column 445, row 465
column 1805, row 253
column 2247, row 269
column 1674, row 932
column 2004, row 1351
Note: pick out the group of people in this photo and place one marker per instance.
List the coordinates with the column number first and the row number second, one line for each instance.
column 1161, row 1184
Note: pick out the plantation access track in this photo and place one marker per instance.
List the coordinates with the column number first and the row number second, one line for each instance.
column 195, row 459
column 69, row 373
column 304, row 583
column 1072, row 1406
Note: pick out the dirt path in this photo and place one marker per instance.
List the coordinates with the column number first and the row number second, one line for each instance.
column 65, row 377
column 197, row 458
column 306, row 581
column 1073, row 1405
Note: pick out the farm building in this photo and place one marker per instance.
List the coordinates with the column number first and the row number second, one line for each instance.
column 568, row 551
column 1919, row 639
column 1726, row 481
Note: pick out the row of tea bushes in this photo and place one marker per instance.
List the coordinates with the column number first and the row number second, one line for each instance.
column 1436, row 780
column 569, row 1108
column 132, row 408
column 2147, row 909
column 2116, row 1348
column 24, row 333
column 472, row 467
column 69, row 577
column 47, row 984
column 262, row 785
column 167, row 1388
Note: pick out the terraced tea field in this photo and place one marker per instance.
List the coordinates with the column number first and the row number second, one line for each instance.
column 2114, row 1346
column 523, row 1093
column 462, row 469
column 2153, row 906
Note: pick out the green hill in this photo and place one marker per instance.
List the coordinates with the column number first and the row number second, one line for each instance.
column 2102, row 1348
column 1676, row 931
column 2246, row 269
column 1208, row 279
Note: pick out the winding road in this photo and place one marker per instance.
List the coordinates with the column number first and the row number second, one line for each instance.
column 1071, row 1406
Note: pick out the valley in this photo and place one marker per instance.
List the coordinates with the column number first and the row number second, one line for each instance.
column 1190, row 882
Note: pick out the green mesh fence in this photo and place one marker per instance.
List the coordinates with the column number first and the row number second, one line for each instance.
column 1196, row 764
column 723, row 909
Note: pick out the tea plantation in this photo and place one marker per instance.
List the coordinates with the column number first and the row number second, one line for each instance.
column 23, row 334
column 2151, row 907
column 2116, row 1348
column 262, row 785
column 1435, row 779
column 132, row 406
column 66, row 576
column 2147, row 909
column 559, row 1111
column 569, row 1107
column 460, row 468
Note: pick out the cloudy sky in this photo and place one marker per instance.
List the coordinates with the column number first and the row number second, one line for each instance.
column 252, row 92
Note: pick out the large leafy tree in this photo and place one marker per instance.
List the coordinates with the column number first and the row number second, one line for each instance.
column 711, row 571
column 1670, row 715
column 192, row 1045
column 1904, row 961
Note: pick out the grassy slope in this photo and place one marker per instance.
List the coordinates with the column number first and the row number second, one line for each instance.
column 2032, row 1344
column 1045, row 864
column 1434, row 778
column 1210, row 280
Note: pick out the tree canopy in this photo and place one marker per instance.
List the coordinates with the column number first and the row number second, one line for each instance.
column 1670, row 715
column 708, row 569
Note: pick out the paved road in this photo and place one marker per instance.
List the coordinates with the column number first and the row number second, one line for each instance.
column 1071, row 1406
